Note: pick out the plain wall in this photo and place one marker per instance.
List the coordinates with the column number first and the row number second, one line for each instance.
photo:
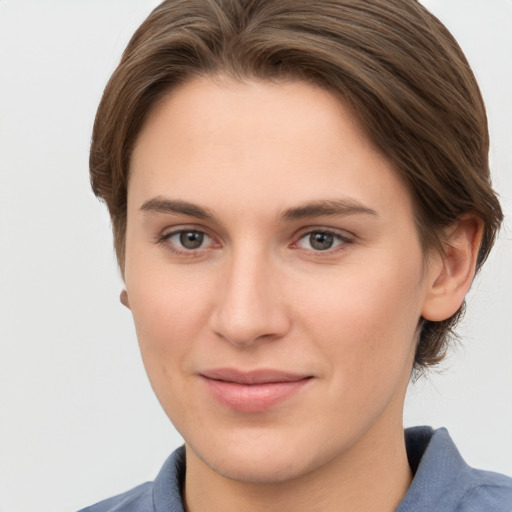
column 78, row 420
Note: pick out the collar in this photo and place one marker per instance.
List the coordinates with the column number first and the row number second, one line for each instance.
column 442, row 479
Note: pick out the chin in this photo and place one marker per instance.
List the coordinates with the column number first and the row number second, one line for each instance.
column 257, row 470
column 260, row 461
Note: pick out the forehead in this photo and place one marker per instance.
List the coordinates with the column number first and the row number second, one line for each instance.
column 231, row 142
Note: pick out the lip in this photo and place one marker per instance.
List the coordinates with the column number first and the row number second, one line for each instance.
column 253, row 391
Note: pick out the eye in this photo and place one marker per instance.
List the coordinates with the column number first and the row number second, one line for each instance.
column 185, row 240
column 320, row 240
column 190, row 239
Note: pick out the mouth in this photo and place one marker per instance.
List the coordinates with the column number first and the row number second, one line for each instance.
column 254, row 391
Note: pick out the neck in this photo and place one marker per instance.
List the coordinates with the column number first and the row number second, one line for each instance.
column 372, row 475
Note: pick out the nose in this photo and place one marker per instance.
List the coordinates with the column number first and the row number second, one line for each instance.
column 250, row 306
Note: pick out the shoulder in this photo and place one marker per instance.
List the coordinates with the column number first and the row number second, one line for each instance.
column 444, row 482
column 137, row 499
column 486, row 491
column 164, row 494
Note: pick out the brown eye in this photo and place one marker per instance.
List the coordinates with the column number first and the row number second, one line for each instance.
column 191, row 239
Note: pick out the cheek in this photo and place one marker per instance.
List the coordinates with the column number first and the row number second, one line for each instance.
column 367, row 318
column 170, row 311
column 170, row 315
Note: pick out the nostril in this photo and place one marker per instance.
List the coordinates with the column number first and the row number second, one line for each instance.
column 248, row 308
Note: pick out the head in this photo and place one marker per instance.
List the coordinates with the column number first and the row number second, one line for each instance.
column 295, row 186
column 423, row 113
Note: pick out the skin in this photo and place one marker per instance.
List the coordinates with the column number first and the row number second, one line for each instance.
column 256, row 294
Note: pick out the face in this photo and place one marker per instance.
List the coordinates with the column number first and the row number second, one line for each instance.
column 274, row 274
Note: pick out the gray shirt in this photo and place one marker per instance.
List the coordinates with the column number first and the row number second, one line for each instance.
column 442, row 482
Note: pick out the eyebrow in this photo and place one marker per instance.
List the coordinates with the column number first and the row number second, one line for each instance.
column 311, row 209
column 327, row 207
column 162, row 205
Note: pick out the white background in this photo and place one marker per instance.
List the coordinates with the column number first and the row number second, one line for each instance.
column 78, row 420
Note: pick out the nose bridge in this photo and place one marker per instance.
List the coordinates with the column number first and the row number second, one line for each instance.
column 249, row 305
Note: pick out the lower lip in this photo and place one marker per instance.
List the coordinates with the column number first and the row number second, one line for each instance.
column 253, row 397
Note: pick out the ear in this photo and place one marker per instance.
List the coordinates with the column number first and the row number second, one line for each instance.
column 123, row 297
column 451, row 273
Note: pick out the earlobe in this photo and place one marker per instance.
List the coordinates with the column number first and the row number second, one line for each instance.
column 123, row 297
column 453, row 271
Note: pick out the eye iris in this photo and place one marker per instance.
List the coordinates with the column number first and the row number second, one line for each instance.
column 191, row 239
column 321, row 241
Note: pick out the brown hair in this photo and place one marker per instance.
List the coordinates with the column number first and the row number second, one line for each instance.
column 393, row 61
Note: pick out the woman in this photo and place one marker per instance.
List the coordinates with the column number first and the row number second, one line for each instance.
column 300, row 199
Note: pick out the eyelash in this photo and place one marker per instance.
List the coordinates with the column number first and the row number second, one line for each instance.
column 342, row 240
column 164, row 240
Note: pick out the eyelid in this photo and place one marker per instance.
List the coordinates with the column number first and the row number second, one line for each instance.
column 344, row 236
column 164, row 236
column 343, row 233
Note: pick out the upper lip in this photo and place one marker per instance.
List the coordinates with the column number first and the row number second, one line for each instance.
column 260, row 376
